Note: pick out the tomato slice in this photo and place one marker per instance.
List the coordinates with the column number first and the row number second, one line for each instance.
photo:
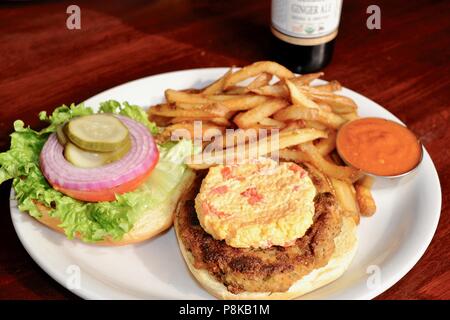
column 106, row 194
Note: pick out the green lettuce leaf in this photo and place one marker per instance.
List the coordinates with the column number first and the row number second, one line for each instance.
column 93, row 221
column 131, row 111
column 63, row 114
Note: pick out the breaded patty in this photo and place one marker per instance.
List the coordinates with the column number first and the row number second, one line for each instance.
column 272, row 269
column 256, row 204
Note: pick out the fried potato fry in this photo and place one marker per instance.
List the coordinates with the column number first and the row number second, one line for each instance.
column 366, row 181
column 364, row 196
column 260, row 148
column 350, row 116
column 298, row 124
column 197, row 106
column 232, row 102
column 264, row 110
column 257, row 68
column 346, row 197
column 271, row 123
column 296, row 112
column 244, row 102
column 262, row 80
column 218, row 85
column 326, row 145
column 212, row 107
column 324, row 107
column 334, row 157
column 293, row 155
column 221, row 121
column 339, row 104
column 344, row 173
column 330, row 86
column 237, row 90
column 174, row 96
column 280, row 90
column 299, row 98
column 218, row 121
column 314, row 124
column 365, row 200
column 275, row 91
column 306, row 79
column 208, row 112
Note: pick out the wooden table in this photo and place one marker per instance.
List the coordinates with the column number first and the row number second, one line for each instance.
column 404, row 67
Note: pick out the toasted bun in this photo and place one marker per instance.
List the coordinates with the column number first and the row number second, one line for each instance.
column 150, row 224
column 345, row 242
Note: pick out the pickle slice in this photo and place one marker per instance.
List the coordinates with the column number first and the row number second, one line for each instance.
column 89, row 159
column 97, row 132
column 62, row 139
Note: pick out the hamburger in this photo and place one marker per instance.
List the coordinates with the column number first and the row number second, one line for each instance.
column 263, row 230
column 97, row 176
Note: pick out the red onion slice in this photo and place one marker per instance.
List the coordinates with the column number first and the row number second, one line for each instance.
column 142, row 155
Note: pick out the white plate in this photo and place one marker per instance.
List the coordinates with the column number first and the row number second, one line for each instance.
column 391, row 242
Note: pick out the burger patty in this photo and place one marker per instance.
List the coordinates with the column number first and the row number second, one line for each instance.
column 272, row 269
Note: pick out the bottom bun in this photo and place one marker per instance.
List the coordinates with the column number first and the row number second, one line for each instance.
column 151, row 223
column 346, row 244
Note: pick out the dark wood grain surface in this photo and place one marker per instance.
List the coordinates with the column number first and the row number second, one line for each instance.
column 404, row 67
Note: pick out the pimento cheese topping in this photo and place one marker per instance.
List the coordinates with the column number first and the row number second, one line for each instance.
column 256, row 204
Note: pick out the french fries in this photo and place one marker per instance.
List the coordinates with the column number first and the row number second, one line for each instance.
column 280, row 89
column 246, row 114
column 330, row 86
column 232, row 102
column 208, row 111
column 345, row 173
column 262, row 80
column 244, row 102
column 346, row 197
column 253, row 116
column 327, row 145
column 275, row 91
column 314, row 124
column 296, row 112
column 338, row 104
column 218, row 120
column 257, row 149
column 174, row 96
column 271, row 123
column 256, row 69
column 299, row 98
column 293, row 155
column 364, row 197
column 218, row 85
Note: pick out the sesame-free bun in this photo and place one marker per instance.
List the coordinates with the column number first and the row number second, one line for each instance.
column 150, row 223
column 345, row 249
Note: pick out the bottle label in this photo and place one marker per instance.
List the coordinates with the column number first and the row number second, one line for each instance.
column 306, row 19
